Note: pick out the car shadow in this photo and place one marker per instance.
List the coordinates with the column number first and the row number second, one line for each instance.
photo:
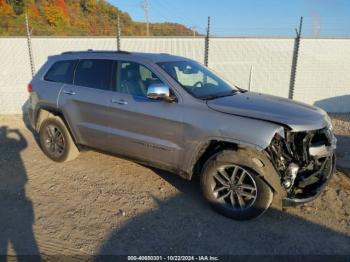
column 16, row 210
column 184, row 224
column 335, row 104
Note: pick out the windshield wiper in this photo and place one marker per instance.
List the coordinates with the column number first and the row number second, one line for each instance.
column 214, row 96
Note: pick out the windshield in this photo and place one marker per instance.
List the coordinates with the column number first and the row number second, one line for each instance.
column 197, row 79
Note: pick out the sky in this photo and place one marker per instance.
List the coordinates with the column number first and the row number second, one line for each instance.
column 322, row 18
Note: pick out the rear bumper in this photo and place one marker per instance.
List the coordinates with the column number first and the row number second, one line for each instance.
column 30, row 113
column 316, row 191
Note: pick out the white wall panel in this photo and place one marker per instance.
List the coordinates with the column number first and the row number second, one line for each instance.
column 323, row 76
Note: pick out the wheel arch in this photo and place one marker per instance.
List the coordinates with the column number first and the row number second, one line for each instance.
column 207, row 148
column 205, row 151
column 258, row 159
column 45, row 112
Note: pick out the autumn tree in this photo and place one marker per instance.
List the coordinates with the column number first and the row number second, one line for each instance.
column 61, row 4
column 75, row 17
column 6, row 17
column 5, row 8
column 55, row 13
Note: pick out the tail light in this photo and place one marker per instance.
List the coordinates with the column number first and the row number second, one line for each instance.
column 29, row 88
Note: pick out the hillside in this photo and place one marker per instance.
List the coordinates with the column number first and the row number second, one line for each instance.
column 76, row 17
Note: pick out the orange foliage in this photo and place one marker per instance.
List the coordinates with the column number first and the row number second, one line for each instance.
column 54, row 15
column 33, row 11
column 61, row 4
column 76, row 17
column 5, row 8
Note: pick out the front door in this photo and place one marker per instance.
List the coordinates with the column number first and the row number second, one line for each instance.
column 145, row 129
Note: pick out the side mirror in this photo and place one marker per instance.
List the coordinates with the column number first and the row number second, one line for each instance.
column 159, row 92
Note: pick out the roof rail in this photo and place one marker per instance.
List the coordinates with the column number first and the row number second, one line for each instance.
column 95, row 51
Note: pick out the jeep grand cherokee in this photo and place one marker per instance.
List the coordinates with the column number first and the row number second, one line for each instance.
column 251, row 151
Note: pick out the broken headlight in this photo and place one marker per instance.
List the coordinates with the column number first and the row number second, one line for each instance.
column 301, row 156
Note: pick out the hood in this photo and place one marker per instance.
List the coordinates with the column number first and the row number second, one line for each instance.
column 298, row 116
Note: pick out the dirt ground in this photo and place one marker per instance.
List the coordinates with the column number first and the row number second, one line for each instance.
column 99, row 204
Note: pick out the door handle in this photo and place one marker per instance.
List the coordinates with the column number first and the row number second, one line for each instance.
column 119, row 101
column 69, row 92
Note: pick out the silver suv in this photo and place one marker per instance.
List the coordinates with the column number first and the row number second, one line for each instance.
column 250, row 151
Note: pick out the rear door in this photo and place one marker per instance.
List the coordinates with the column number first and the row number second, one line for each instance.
column 85, row 103
column 142, row 128
column 48, row 87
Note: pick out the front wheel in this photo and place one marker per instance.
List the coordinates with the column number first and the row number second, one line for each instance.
column 233, row 188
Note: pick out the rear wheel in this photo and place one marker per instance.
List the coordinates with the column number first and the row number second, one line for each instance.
column 233, row 188
column 55, row 140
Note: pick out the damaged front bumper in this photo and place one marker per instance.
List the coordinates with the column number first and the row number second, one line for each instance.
column 313, row 190
column 305, row 162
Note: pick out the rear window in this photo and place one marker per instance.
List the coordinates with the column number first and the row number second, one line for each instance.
column 94, row 73
column 61, row 72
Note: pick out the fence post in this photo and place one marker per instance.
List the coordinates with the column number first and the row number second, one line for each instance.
column 29, row 42
column 206, row 46
column 295, row 60
column 118, row 33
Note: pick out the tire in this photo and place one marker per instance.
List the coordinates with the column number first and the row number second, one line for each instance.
column 233, row 187
column 56, row 141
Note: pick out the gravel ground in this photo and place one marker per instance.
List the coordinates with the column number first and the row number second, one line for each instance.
column 99, row 204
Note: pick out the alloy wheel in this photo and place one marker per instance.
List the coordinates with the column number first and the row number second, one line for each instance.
column 54, row 140
column 234, row 186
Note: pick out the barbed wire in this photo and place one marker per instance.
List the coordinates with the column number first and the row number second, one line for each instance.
column 39, row 27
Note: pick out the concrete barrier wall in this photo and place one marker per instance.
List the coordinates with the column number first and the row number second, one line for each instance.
column 14, row 74
column 263, row 65
column 323, row 74
column 269, row 61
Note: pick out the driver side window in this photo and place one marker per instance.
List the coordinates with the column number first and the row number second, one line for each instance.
column 134, row 79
